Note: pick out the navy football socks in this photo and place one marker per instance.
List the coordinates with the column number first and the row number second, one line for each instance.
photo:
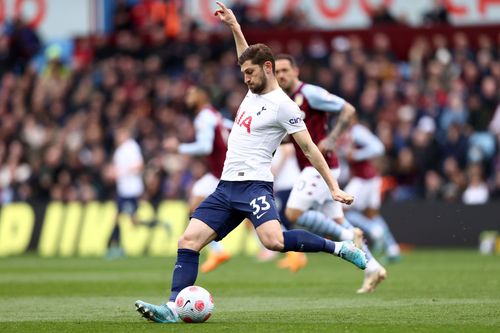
column 185, row 271
column 303, row 241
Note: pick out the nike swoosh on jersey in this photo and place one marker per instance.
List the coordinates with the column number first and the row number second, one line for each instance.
column 259, row 216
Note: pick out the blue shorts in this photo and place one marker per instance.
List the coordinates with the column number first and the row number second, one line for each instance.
column 232, row 202
column 127, row 205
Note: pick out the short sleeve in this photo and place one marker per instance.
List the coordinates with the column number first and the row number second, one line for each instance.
column 321, row 99
column 290, row 117
column 205, row 121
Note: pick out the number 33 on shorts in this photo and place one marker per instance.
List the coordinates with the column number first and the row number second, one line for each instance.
column 260, row 206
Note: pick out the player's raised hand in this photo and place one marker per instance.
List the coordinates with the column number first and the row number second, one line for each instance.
column 343, row 197
column 225, row 14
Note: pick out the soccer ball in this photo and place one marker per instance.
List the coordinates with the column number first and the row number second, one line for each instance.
column 194, row 304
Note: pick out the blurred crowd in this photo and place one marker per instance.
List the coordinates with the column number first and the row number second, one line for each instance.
column 437, row 112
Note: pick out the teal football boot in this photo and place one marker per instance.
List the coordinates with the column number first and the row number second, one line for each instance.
column 351, row 253
column 158, row 313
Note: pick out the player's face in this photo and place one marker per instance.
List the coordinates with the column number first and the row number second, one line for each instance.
column 286, row 74
column 121, row 136
column 254, row 76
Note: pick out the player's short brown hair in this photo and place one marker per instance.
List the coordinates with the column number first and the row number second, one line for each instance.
column 258, row 54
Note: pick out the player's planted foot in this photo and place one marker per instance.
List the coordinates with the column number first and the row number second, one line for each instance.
column 372, row 280
column 214, row 260
column 164, row 313
column 351, row 253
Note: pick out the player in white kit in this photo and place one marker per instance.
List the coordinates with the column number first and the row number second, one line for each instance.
column 127, row 168
column 265, row 116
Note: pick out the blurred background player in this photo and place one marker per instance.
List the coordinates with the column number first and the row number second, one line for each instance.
column 310, row 205
column 127, row 170
column 211, row 141
column 359, row 146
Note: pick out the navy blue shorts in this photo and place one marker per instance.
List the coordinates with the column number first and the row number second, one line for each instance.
column 232, row 202
column 127, row 205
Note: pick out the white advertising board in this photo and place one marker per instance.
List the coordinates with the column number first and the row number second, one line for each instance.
column 53, row 19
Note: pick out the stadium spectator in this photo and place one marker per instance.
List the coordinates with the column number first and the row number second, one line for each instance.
column 122, row 18
column 24, row 44
column 477, row 191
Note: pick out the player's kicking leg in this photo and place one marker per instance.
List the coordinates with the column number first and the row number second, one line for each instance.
column 273, row 238
column 318, row 223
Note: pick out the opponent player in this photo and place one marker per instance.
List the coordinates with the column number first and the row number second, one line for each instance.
column 310, row 206
column 265, row 116
column 365, row 183
column 211, row 141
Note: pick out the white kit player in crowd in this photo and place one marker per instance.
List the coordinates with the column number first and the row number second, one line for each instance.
column 127, row 168
column 245, row 190
column 212, row 131
column 359, row 147
column 310, row 206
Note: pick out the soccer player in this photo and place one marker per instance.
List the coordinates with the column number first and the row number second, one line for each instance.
column 310, row 206
column 265, row 116
column 365, row 183
column 127, row 168
column 211, row 141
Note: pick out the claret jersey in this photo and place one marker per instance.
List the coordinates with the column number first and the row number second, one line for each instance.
column 366, row 146
column 316, row 102
column 261, row 123
column 211, row 139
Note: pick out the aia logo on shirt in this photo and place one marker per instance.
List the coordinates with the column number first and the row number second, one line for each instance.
column 243, row 121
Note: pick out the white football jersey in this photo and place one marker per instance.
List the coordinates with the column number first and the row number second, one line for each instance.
column 261, row 123
column 127, row 156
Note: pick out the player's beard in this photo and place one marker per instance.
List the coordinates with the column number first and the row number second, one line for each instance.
column 257, row 89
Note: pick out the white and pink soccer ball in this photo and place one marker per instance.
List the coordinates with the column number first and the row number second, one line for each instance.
column 194, row 304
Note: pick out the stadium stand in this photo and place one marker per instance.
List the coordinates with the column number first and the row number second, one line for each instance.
column 437, row 109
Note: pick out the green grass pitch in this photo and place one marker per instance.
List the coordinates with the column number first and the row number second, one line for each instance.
column 429, row 291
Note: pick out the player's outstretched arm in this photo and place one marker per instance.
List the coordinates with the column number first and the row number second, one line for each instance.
column 226, row 16
column 314, row 155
